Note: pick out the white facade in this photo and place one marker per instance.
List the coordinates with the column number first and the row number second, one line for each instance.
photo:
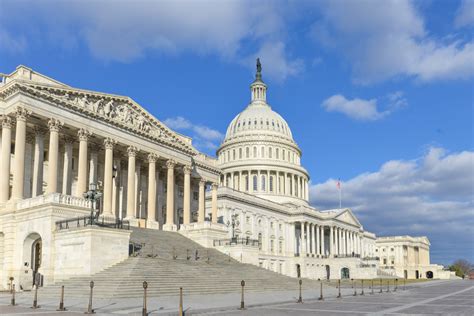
column 251, row 202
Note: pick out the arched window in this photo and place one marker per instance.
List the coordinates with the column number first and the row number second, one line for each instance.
column 247, row 152
column 270, row 152
column 255, row 187
column 233, row 154
column 283, row 154
column 246, row 183
column 254, row 152
column 263, row 182
column 277, row 153
column 271, row 184
column 240, row 153
column 262, row 152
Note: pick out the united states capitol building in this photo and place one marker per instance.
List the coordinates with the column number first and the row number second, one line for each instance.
column 250, row 202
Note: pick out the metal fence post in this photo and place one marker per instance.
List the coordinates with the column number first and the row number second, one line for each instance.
column 61, row 302
column 362, row 285
column 180, row 312
column 145, row 286
column 300, row 298
column 396, row 285
column 242, row 304
column 372, row 291
column 388, row 285
column 13, row 295
column 35, row 299
column 404, row 283
column 381, row 286
column 339, row 289
column 89, row 307
column 321, row 297
column 354, row 285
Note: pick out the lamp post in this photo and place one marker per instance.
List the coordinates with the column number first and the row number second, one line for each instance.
column 233, row 222
column 92, row 195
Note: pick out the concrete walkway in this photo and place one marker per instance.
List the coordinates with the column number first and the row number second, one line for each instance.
column 269, row 303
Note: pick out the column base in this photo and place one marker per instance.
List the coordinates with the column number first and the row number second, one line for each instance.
column 170, row 227
column 152, row 225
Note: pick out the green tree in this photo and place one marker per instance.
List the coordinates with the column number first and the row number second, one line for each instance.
column 461, row 267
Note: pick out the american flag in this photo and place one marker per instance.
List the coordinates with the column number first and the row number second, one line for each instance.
column 338, row 183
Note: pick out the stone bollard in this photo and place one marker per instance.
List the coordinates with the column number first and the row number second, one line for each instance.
column 61, row 302
column 362, row 285
column 339, row 289
column 354, row 285
column 380, row 286
column 180, row 312
column 396, row 285
column 388, row 286
column 321, row 297
column 13, row 295
column 372, row 291
column 145, row 286
column 89, row 307
column 300, row 298
column 35, row 299
column 242, row 303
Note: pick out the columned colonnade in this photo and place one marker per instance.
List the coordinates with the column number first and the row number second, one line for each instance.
column 88, row 168
column 329, row 241
column 267, row 181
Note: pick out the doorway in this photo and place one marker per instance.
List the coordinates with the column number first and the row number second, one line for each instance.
column 32, row 255
column 345, row 273
column 328, row 272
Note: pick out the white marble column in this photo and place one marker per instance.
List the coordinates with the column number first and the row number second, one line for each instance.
column 201, row 201
column 187, row 195
column 37, row 187
column 67, row 166
column 308, row 238
column 317, row 252
column 170, row 225
column 331, row 241
column 54, row 127
column 132, row 153
column 323, row 251
column 20, row 145
column 108, row 173
column 83, row 135
column 93, row 167
column 5, row 159
column 151, row 212
column 116, row 187
column 313, row 239
column 214, row 203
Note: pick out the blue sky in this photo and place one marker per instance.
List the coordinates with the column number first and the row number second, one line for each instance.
column 380, row 96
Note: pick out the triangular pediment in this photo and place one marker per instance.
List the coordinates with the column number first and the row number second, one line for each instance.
column 120, row 111
column 348, row 217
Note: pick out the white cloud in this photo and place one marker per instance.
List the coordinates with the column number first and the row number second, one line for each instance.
column 204, row 138
column 129, row 30
column 432, row 196
column 363, row 110
column 391, row 42
column 465, row 14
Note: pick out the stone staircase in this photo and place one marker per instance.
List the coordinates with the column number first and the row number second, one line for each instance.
column 167, row 261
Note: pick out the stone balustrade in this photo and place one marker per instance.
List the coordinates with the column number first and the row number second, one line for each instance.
column 53, row 198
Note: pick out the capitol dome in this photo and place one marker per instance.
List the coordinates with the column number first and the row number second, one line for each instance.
column 259, row 155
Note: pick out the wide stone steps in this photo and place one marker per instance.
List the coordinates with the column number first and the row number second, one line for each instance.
column 165, row 275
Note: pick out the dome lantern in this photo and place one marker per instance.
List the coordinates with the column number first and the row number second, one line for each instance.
column 258, row 87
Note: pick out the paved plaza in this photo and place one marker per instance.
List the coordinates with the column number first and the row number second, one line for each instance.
column 428, row 298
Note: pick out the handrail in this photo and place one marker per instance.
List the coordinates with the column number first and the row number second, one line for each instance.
column 236, row 241
column 83, row 221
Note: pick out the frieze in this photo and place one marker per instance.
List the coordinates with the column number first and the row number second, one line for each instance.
column 120, row 111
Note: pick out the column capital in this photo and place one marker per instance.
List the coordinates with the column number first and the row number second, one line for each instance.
column 214, row 186
column 68, row 139
column 55, row 125
column 83, row 134
column 21, row 113
column 6, row 121
column 132, row 151
column 170, row 164
column 39, row 130
column 152, row 157
column 187, row 169
column 30, row 138
column 109, row 143
column 202, row 182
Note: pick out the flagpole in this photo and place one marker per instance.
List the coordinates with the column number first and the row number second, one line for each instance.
column 340, row 196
